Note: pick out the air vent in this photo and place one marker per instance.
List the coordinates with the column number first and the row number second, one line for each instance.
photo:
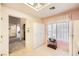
column 52, row 8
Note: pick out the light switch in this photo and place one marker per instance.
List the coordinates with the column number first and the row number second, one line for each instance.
column 1, row 38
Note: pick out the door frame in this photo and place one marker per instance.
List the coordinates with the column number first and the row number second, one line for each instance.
column 73, row 37
column 20, row 27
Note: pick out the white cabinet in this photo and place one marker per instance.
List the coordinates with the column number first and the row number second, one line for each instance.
column 38, row 34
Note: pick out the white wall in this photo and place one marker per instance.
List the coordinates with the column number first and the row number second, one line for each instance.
column 0, row 30
column 5, row 26
column 4, row 33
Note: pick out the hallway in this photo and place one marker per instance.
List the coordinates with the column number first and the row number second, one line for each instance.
column 30, row 27
column 41, row 51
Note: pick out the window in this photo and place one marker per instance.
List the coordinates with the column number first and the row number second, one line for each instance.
column 49, row 30
column 53, row 31
column 63, row 31
column 59, row 31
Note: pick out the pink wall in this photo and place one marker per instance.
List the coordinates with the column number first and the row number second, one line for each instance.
column 72, row 15
column 75, row 14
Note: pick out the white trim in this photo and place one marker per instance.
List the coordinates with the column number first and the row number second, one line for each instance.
column 38, row 8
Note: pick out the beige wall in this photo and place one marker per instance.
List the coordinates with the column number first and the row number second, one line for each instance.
column 75, row 37
column 5, row 23
column 5, row 32
column 0, row 30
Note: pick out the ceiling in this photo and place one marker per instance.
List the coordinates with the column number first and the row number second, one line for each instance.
column 43, row 11
column 36, row 5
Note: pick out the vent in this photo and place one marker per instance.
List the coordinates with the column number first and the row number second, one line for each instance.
column 52, row 8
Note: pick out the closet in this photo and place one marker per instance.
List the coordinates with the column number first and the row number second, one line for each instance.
column 38, row 34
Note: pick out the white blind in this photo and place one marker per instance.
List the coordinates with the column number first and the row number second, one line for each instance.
column 59, row 31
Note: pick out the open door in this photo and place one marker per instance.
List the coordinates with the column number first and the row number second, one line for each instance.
column 16, row 34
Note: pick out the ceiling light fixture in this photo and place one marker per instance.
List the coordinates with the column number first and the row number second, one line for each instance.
column 37, row 5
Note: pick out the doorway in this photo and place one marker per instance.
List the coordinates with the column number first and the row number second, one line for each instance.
column 16, row 33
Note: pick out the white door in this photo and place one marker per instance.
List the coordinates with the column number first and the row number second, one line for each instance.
column 75, row 37
column 38, row 35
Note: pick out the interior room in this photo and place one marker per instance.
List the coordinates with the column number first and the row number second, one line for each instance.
column 16, row 33
column 39, row 29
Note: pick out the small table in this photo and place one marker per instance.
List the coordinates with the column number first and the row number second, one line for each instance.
column 52, row 44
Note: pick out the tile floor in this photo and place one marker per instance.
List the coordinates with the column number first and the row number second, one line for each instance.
column 16, row 44
column 41, row 51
